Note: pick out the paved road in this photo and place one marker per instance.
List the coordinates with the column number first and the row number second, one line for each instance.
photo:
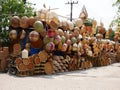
column 102, row 78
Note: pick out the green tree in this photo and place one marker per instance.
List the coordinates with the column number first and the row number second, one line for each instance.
column 116, row 21
column 9, row 8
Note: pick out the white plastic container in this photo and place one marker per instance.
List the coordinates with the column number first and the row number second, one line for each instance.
column 25, row 53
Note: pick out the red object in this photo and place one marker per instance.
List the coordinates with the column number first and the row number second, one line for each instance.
column 37, row 44
column 51, row 33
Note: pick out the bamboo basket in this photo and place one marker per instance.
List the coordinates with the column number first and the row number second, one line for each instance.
column 25, row 61
column 118, row 57
column 25, row 73
column 6, row 51
column 43, row 55
column 83, row 65
column 22, row 67
column 18, row 61
column 37, row 60
column 48, row 68
column 39, row 68
column 60, row 64
column 16, row 48
column 4, row 64
column 30, row 66
column 31, row 59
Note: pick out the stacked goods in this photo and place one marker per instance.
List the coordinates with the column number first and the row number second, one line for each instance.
column 4, row 53
column 96, row 61
column 118, row 57
column 24, row 66
column 39, row 68
column 86, row 63
column 105, row 60
column 42, row 66
column 59, row 46
column 15, row 22
column 73, row 63
column 23, row 22
column 48, row 68
column 60, row 64
column 118, row 54
column 89, row 64
column 35, row 64
column 31, row 21
column 112, row 56
column 81, row 63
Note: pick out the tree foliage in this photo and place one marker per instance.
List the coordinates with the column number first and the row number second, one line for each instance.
column 116, row 21
column 9, row 8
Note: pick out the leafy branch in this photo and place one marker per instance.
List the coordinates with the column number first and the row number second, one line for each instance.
column 9, row 8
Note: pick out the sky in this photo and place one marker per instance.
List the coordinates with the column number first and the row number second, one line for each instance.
column 101, row 10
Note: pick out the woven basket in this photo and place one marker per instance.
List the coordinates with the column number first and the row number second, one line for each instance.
column 30, row 66
column 37, row 60
column 48, row 68
column 16, row 48
column 31, row 21
column 43, row 55
column 22, row 67
column 26, row 61
column 24, row 22
column 15, row 22
column 18, row 61
column 31, row 59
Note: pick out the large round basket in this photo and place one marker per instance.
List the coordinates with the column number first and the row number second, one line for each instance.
column 18, row 61
column 15, row 22
column 43, row 55
column 26, row 61
column 30, row 66
column 31, row 59
column 37, row 60
column 24, row 22
column 48, row 68
column 22, row 67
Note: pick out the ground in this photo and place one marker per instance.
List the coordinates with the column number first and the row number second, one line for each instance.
column 101, row 78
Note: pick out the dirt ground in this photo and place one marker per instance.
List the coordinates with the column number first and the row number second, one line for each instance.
column 101, row 78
